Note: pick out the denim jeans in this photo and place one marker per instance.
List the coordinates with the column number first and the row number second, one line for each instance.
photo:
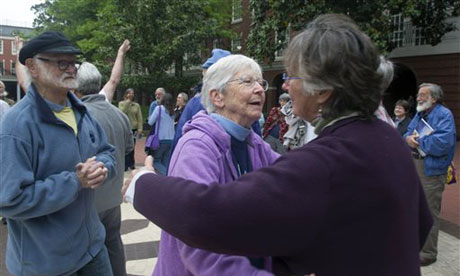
column 161, row 156
column 99, row 265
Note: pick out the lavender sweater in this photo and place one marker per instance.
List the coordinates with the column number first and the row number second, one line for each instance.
column 203, row 155
column 347, row 203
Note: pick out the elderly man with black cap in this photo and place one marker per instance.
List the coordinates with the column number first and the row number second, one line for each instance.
column 54, row 155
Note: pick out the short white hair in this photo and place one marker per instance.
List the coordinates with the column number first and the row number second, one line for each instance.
column 89, row 79
column 221, row 72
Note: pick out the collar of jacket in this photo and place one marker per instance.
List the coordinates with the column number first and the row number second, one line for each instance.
column 342, row 122
column 92, row 98
column 44, row 111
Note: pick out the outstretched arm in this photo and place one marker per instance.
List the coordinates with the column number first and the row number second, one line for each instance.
column 117, row 71
column 23, row 79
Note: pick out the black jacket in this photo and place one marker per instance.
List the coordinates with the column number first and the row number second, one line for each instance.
column 402, row 126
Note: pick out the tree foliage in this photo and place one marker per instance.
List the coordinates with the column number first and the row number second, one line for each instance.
column 164, row 34
column 374, row 17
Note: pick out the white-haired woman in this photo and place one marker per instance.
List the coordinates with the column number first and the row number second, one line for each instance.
column 347, row 203
column 219, row 146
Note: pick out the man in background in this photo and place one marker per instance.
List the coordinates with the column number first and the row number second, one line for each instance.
column 438, row 148
column 159, row 92
column 118, row 130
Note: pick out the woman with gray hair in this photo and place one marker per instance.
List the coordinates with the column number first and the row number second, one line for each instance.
column 219, row 146
column 347, row 203
column 181, row 101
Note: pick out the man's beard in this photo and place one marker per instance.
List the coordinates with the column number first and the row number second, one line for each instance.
column 61, row 82
column 424, row 106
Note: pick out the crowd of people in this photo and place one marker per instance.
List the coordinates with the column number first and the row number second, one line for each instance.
column 329, row 184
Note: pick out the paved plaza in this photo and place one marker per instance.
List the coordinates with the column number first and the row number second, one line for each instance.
column 141, row 237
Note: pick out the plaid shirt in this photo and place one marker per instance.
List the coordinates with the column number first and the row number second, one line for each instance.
column 275, row 117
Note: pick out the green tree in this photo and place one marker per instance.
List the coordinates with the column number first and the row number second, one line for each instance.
column 166, row 35
column 374, row 17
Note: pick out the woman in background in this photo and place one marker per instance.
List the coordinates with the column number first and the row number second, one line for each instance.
column 181, row 101
column 133, row 111
column 165, row 131
column 402, row 119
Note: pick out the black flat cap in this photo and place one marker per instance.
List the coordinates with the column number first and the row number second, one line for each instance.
column 47, row 42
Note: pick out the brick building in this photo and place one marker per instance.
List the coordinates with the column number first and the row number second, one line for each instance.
column 416, row 61
column 8, row 57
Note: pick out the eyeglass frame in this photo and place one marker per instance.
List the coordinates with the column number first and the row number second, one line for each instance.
column 62, row 65
column 263, row 83
column 286, row 77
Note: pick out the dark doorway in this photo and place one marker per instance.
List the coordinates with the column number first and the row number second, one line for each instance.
column 403, row 86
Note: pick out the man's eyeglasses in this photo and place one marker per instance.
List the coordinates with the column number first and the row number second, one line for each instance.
column 250, row 82
column 286, row 77
column 62, row 64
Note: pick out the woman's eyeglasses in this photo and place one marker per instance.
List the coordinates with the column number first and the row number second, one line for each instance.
column 250, row 82
column 286, row 77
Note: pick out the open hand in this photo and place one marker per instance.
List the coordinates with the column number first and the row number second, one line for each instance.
column 148, row 166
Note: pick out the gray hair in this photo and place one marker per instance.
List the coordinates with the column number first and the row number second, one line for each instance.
column 89, row 79
column 162, row 90
column 27, row 76
column 332, row 53
column 386, row 69
column 221, row 72
column 184, row 96
column 284, row 97
column 435, row 91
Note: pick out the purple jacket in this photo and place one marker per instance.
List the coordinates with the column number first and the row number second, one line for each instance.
column 203, row 155
column 347, row 203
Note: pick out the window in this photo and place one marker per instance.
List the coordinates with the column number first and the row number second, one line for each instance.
column 397, row 37
column 419, row 37
column 13, row 48
column 2, row 67
column 405, row 34
column 13, row 68
column 1, row 46
column 237, row 10
column 236, row 45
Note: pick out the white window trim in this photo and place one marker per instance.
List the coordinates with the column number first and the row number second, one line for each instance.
column 3, row 46
column 279, row 54
column 14, row 51
column 2, row 72
column 239, row 19
column 448, row 45
column 12, row 67
column 240, row 44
